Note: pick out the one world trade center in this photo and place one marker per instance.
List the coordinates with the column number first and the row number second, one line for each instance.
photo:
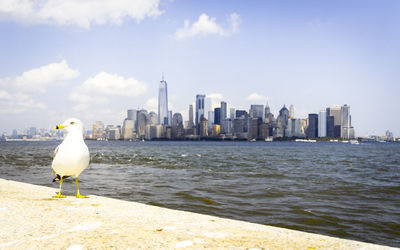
column 163, row 102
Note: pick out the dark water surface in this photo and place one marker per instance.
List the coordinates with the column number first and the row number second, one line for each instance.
column 342, row 190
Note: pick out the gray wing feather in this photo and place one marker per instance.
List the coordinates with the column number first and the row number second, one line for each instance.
column 54, row 155
column 55, row 151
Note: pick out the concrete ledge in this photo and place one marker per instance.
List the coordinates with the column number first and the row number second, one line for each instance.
column 30, row 218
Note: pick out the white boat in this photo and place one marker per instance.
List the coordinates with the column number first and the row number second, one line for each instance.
column 355, row 142
column 269, row 139
column 304, row 140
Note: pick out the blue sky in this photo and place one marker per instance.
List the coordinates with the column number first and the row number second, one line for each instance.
column 95, row 63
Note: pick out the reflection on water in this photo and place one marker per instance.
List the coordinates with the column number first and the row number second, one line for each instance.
column 349, row 191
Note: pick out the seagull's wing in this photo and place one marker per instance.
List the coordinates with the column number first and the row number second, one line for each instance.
column 55, row 151
column 54, row 155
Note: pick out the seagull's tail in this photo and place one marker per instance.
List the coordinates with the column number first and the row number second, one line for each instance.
column 58, row 177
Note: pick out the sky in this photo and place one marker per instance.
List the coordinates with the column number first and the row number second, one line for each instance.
column 95, row 59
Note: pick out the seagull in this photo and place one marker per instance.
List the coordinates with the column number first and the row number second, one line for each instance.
column 71, row 157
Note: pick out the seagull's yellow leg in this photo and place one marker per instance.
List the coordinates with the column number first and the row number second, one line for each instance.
column 59, row 195
column 78, row 195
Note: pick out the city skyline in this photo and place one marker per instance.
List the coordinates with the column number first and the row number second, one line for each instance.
column 96, row 66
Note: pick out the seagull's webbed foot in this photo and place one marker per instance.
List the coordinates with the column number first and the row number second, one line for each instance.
column 59, row 195
column 81, row 196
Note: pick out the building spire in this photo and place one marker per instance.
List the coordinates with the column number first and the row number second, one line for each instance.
column 162, row 76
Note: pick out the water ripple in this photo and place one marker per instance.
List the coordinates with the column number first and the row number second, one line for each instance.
column 348, row 191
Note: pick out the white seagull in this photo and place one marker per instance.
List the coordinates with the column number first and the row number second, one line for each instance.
column 71, row 157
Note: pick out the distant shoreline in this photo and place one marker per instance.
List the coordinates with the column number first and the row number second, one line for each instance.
column 281, row 139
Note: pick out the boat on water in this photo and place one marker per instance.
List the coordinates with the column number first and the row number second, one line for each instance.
column 304, row 140
column 269, row 139
column 354, row 142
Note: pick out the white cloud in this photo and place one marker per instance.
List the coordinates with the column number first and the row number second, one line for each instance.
column 13, row 90
column 85, row 100
column 78, row 13
column 216, row 99
column 256, row 97
column 214, row 96
column 109, row 84
column 206, row 25
column 35, row 80
column 234, row 20
column 103, row 86
column 17, row 103
column 151, row 105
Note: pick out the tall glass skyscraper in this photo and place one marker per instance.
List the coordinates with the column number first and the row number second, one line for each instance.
column 199, row 108
column 191, row 116
column 347, row 131
column 322, row 123
column 312, row 130
column 223, row 111
column 163, row 102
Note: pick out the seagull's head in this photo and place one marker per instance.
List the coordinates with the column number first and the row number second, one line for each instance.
column 71, row 124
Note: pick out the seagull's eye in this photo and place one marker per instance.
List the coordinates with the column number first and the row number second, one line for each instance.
column 72, row 123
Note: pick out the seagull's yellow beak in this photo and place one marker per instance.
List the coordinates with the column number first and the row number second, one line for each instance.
column 59, row 127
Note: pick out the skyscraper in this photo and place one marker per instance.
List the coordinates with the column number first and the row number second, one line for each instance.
column 223, row 111
column 291, row 111
column 169, row 117
column 127, row 129
column 177, row 126
column 241, row 113
column 217, row 116
column 210, row 118
column 347, row 131
column 257, row 111
column 232, row 113
column 312, row 130
column 152, row 118
column 98, row 130
column 322, row 123
column 330, row 126
column 336, row 112
column 203, row 127
column 284, row 116
column 199, row 108
column 163, row 102
column 267, row 110
column 176, row 120
column 190, row 116
column 141, row 123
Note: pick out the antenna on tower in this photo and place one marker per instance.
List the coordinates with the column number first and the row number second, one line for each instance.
column 162, row 76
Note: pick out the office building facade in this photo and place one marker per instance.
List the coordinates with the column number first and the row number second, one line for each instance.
column 312, row 129
column 223, row 111
column 163, row 102
column 322, row 123
column 199, row 108
column 256, row 111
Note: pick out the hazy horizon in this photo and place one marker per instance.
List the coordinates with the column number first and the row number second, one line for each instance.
column 96, row 63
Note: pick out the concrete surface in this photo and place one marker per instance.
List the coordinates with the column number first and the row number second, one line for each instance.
column 31, row 219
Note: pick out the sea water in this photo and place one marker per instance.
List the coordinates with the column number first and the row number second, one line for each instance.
column 336, row 189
